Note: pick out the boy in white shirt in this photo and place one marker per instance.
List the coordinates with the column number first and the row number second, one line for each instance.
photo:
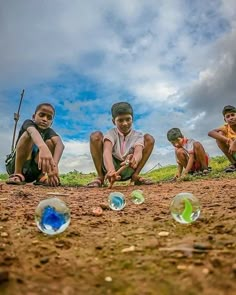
column 121, row 147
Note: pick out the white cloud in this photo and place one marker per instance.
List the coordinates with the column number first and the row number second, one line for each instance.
column 174, row 61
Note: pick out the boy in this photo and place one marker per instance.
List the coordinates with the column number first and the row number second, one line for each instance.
column 38, row 150
column 189, row 153
column 122, row 152
column 226, row 136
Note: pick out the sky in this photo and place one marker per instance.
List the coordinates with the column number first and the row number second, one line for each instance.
column 173, row 60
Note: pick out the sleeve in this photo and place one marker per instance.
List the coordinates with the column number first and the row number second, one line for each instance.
column 223, row 128
column 27, row 124
column 49, row 133
column 111, row 136
column 139, row 140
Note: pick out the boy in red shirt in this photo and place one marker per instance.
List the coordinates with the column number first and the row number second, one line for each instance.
column 190, row 154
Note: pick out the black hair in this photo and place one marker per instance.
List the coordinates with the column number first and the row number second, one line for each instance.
column 174, row 133
column 45, row 104
column 228, row 109
column 121, row 108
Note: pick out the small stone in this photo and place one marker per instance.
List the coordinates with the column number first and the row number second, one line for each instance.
column 163, row 234
column 199, row 246
column 129, row 249
column 205, row 271
column 4, row 235
column 44, row 260
column 104, row 206
column 34, row 242
column 97, row 211
column 108, row 279
column 181, row 267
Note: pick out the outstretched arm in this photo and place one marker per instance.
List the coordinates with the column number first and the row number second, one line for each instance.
column 189, row 164
column 53, row 176
column 45, row 162
column 111, row 175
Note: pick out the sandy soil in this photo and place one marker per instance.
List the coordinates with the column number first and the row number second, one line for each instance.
column 121, row 252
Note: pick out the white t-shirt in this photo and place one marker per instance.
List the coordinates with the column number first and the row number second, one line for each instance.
column 123, row 145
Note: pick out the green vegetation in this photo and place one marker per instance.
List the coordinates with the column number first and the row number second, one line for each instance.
column 217, row 164
column 76, row 178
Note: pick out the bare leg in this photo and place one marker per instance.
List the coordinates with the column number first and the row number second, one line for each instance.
column 148, row 147
column 96, row 149
column 225, row 149
column 200, row 155
column 23, row 152
column 182, row 157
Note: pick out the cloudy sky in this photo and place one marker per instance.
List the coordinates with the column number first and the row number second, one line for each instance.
column 173, row 60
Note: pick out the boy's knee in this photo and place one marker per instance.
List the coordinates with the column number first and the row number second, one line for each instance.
column 197, row 145
column 180, row 153
column 96, row 136
column 149, row 140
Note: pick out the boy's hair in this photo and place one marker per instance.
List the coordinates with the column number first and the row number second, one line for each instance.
column 173, row 134
column 45, row 104
column 121, row 108
column 228, row 109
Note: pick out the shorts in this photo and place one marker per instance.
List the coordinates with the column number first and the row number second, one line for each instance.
column 197, row 166
column 30, row 169
column 126, row 174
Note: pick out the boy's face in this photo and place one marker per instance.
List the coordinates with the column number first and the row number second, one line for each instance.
column 230, row 118
column 123, row 123
column 43, row 117
column 178, row 142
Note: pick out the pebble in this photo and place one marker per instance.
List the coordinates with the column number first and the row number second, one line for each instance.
column 181, row 267
column 129, row 249
column 4, row 234
column 97, row 211
column 44, row 260
column 205, row 271
column 163, row 234
column 108, row 279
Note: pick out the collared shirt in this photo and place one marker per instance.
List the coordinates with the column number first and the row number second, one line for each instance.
column 123, row 145
column 228, row 131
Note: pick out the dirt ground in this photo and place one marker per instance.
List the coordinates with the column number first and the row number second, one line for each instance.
column 123, row 252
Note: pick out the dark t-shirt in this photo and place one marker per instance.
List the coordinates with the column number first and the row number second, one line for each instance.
column 46, row 133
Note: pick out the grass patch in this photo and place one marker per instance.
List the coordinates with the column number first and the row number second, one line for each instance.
column 218, row 164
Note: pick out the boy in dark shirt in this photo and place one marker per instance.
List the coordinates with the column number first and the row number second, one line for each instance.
column 38, row 150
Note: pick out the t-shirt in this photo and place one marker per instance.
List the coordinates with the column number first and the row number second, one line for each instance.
column 123, row 145
column 228, row 131
column 46, row 133
column 188, row 145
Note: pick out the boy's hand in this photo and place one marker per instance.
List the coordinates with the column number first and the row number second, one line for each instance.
column 45, row 162
column 53, row 177
column 232, row 147
column 112, row 176
column 130, row 161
